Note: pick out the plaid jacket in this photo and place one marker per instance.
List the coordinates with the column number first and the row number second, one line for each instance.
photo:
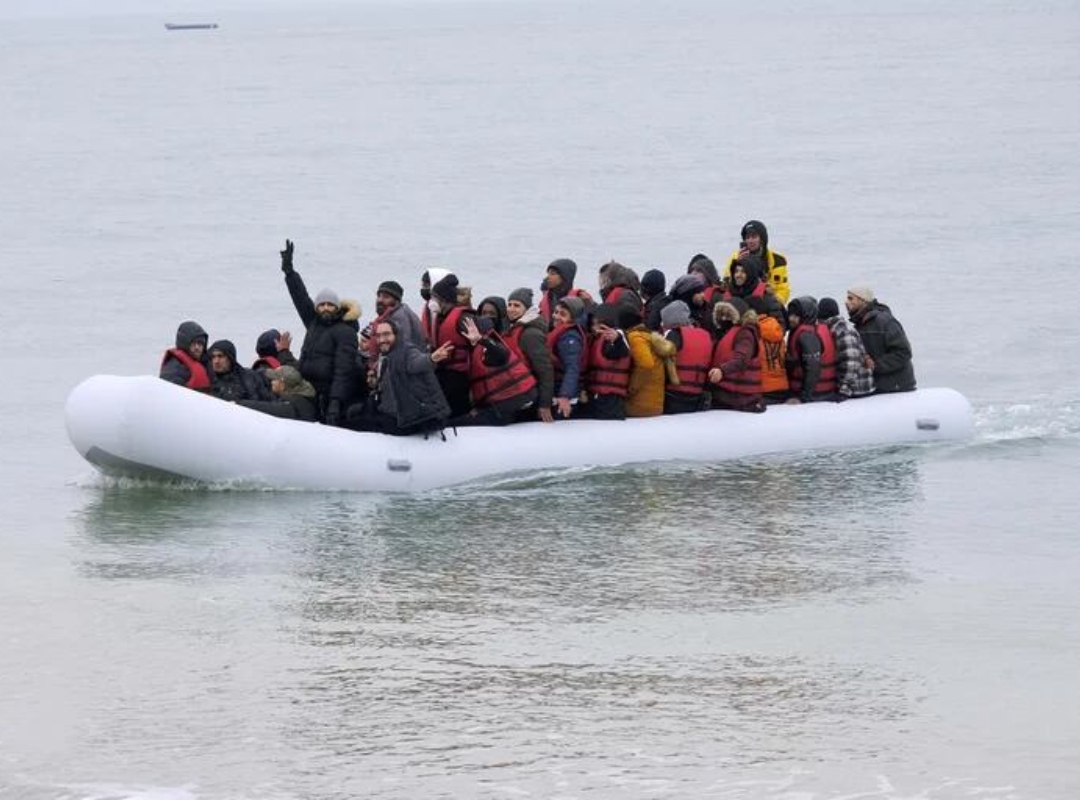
column 853, row 378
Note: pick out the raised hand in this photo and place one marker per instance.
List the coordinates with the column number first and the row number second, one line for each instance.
column 286, row 257
column 283, row 342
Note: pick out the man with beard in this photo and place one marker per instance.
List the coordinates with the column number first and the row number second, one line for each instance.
column 230, row 381
column 328, row 356
column 188, row 363
column 406, row 398
column 389, row 305
column 887, row 347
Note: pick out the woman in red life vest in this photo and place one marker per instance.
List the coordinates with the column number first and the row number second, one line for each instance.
column 188, row 363
column 736, row 364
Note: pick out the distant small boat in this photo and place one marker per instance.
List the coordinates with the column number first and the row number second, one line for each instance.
column 194, row 26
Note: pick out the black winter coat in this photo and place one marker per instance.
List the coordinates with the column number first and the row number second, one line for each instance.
column 408, row 389
column 328, row 356
column 886, row 343
column 240, row 384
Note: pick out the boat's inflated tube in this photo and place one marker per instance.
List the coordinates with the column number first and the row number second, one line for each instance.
column 147, row 427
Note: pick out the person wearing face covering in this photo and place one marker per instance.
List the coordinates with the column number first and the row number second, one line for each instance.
column 448, row 326
column 328, row 355
column 735, row 375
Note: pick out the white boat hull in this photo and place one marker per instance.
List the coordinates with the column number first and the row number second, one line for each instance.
column 147, row 427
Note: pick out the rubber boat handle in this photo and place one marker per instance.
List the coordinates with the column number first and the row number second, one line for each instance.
column 398, row 465
column 927, row 424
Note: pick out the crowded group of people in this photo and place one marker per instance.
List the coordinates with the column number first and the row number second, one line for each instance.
column 726, row 337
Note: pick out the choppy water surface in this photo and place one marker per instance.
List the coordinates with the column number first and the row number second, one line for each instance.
column 894, row 623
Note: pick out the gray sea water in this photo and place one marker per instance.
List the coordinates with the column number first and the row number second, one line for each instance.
column 898, row 623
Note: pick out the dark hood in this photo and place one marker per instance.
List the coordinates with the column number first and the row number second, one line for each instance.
column 226, row 347
column 755, row 272
column 805, row 307
column 614, row 274
column 759, row 226
column 704, row 266
column 686, row 286
column 502, row 324
column 188, row 332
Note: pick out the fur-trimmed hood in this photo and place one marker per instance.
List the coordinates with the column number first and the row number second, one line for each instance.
column 734, row 311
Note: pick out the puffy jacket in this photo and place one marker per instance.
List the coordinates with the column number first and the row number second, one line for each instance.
column 886, row 343
column 328, row 356
column 648, row 374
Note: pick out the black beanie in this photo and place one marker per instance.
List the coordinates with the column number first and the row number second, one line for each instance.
column 827, row 308
column 653, row 282
column 446, row 289
column 266, row 344
column 392, row 288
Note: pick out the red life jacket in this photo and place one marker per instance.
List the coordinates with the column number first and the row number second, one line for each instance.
column 547, row 308
column 448, row 332
column 552, row 343
column 490, row 385
column 606, row 375
column 749, row 380
column 198, row 377
column 759, row 291
column 692, row 361
column 616, row 292
column 513, row 339
column 270, row 362
column 827, row 381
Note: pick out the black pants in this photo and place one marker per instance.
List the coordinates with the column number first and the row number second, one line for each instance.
column 676, row 403
column 605, row 406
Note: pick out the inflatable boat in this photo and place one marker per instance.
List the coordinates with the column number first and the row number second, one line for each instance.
column 144, row 427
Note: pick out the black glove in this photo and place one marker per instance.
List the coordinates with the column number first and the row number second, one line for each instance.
column 286, row 257
column 333, row 413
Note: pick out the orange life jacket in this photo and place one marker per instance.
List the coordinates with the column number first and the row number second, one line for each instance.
column 198, row 377
column 692, row 361
column 749, row 380
column 774, row 378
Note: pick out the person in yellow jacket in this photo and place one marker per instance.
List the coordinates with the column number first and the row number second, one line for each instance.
column 755, row 241
column 652, row 364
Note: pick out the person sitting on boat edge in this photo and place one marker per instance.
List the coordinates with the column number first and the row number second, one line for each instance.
column 652, row 364
column 502, row 387
column 735, row 374
column 294, row 398
column 854, row 378
column 407, row 398
column 448, row 320
column 693, row 356
column 566, row 343
column 231, row 382
column 328, row 355
column 653, row 284
column 528, row 336
column 811, row 354
column 886, row 343
column 755, row 241
column 188, row 363
column 607, row 375
column 558, row 283
column 272, row 350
